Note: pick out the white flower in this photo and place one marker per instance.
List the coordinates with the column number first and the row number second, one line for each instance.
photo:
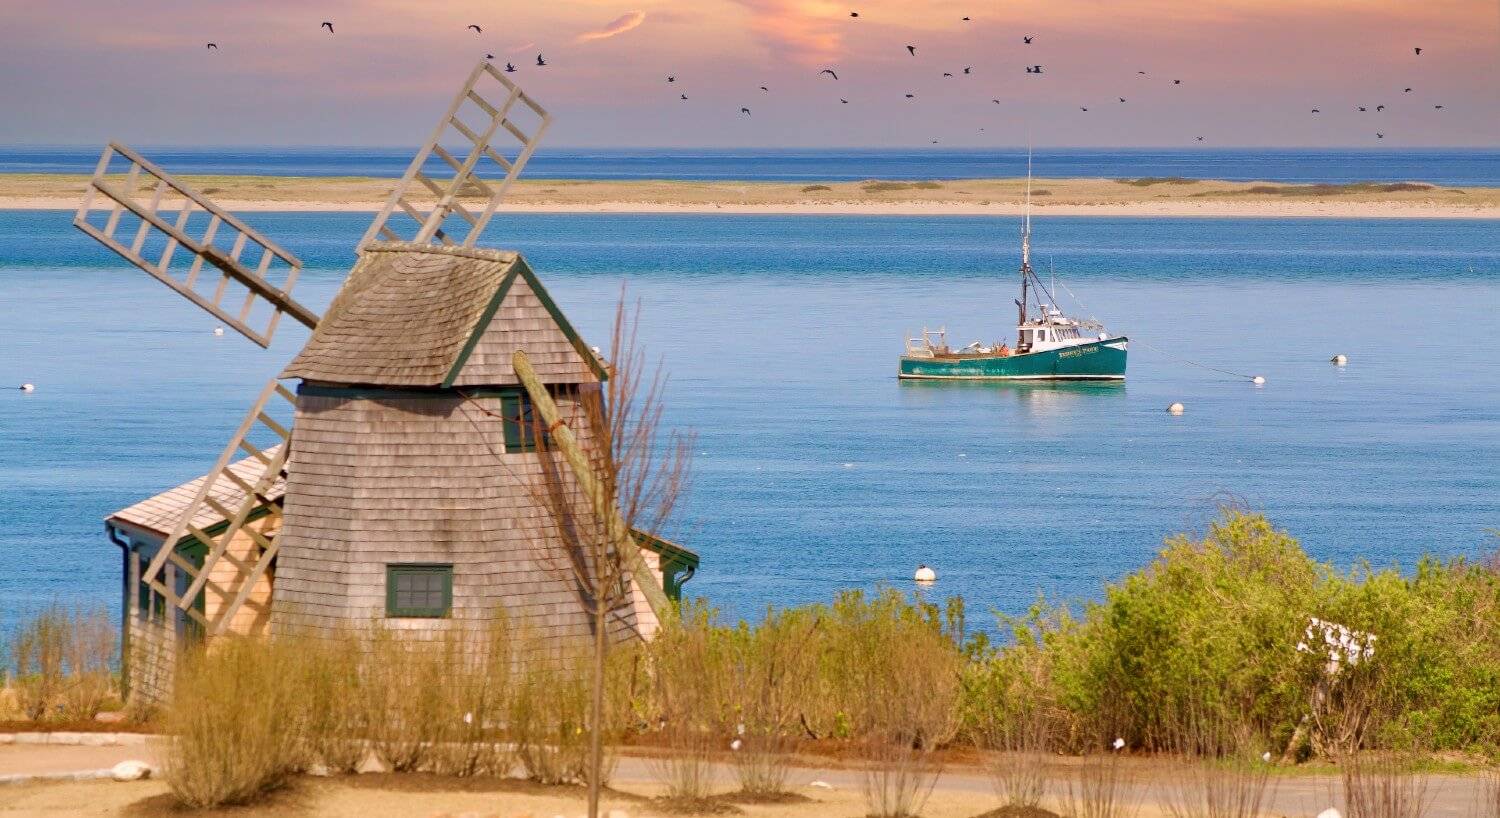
column 736, row 744
column 1302, row 647
column 1266, row 756
column 1119, row 744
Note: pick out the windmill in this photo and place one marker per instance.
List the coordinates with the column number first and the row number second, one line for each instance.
column 416, row 351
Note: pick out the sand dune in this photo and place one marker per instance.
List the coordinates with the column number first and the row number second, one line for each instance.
column 1170, row 197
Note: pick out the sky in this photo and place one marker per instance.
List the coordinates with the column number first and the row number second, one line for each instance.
column 83, row 71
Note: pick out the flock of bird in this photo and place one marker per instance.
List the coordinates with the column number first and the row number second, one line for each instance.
column 911, row 50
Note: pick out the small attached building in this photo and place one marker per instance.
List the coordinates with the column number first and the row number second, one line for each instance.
column 413, row 483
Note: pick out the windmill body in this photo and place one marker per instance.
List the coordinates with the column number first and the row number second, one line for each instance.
column 394, row 471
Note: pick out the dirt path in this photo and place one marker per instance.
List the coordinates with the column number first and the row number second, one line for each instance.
column 961, row 792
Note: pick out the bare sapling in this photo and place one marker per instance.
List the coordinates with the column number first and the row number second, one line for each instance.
column 549, row 714
column 606, row 476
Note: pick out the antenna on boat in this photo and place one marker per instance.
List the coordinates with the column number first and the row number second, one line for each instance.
column 1026, row 237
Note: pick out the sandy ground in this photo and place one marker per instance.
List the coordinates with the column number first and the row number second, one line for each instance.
column 1064, row 197
column 962, row 792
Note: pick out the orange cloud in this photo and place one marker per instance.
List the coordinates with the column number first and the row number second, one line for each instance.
column 804, row 30
column 625, row 22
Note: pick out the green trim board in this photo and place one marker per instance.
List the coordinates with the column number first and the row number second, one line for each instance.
column 418, row 590
column 678, row 564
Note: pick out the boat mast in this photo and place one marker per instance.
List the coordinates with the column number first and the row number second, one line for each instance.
column 1026, row 239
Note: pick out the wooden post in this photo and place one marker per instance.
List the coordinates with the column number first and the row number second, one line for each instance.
column 604, row 507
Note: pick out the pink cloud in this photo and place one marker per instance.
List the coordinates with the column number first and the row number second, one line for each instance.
column 802, row 30
column 625, row 22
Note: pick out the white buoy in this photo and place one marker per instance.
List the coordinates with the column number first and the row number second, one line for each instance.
column 28, row 387
column 1258, row 380
column 218, row 330
column 925, row 574
column 1176, row 408
column 1339, row 359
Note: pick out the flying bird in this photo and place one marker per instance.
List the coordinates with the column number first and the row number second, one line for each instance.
column 1085, row 110
column 829, row 72
column 1026, row 38
column 1418, row 51
column 947, row 73
column 853, row 14
column 510, row 68
column 745, row 111
column 968, row 69
column 1379, row 108
column 214, row 46
column 844, row 101
column 1200, row 139
column 539, row 60
column 477, row 29
column 671, row 79
column 489, row 56
column 1437, row 107
column 1122, row 99
column 328, row 26
column 911, row 96
column 1361, row 108
column 934, row 141
column 1380, row 136
column 966, row 19
column 1033, row 69
column 1316, row 111
column 684, row 96
column 996, row 101
column 912, row 50
column 1176, row 82
column 764, row 88
column 1407, row 91
column 1142, row 73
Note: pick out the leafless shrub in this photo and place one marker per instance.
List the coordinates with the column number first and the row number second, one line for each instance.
column 62, row 662
column 911, row 686
column 549, row 718
column 233, row 724
column 1224, row 774
column 689, row 686
column 772, row 668
column 1014, row 726
column 1096, row 788
column 1383, row 785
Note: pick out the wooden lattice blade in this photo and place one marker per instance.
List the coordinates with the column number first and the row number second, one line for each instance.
column 234, row 515
column 472, row 165
column 178, row 236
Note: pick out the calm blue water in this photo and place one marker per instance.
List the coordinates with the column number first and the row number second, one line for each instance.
column 1440, row 166
column 815, row 469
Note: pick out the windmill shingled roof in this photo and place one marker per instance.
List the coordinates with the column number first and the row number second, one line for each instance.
column 412, row 315
column 161, row 512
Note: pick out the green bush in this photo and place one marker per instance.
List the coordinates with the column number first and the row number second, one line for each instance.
column 1209, row 631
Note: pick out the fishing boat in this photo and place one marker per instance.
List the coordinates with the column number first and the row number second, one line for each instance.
column 1050, row 346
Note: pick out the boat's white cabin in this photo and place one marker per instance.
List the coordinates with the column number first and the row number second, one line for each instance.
column 1056, row 331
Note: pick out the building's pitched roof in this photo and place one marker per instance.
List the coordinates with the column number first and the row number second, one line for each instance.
column 159, row 514
column 415, row 315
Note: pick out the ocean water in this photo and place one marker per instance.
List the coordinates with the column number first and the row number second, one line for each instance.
column 815, row 469
column 1443, row 166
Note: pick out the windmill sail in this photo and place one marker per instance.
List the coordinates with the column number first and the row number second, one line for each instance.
column 171, row 230
column 489, row 107
column 237, row 555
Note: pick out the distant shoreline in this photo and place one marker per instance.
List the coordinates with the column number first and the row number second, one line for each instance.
column 1166, row 197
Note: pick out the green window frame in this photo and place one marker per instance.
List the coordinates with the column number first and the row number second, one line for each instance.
column 522, row 426
column 418, row 590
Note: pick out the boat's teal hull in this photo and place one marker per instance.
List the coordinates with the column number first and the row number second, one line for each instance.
column 1098, row 361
